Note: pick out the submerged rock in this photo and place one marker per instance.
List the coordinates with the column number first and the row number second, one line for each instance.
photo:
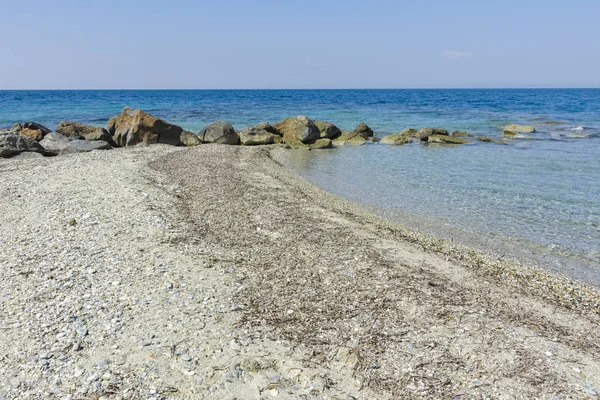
column 299, row 128
column 12, row 144
column 88, row 132
column 445, row 139
column 189, row 138
column 363, row 130
column 461, row 134
column 84, row 146
column 483, row 139
column 135, row 126
column 328, row 130
column 403, row 137
column 426, row 132
column 34, row 130
column 516, row 128
column 220, row 132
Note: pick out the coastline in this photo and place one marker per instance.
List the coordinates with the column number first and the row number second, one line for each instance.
column 213, row 247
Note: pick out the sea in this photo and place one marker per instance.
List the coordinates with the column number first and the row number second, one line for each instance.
column 535, row 199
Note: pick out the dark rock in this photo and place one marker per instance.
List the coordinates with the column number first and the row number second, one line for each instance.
column 219, row 132
column 135, row 126
column 328, row 130
column 88, row 132
column 363, row 130
column 11, row 145
column 299, row 128
column 84, row 146
column 189, row 139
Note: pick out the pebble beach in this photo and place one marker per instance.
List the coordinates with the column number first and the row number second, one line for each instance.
column 163, row 272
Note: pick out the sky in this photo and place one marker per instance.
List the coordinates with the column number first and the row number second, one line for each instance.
column 236, row 44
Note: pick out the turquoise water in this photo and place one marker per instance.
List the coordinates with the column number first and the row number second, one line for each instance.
column 537, row 199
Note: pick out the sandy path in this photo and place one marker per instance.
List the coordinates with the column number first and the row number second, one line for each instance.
column 214, row 272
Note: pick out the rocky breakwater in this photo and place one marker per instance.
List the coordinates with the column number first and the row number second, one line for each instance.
column 136, row 127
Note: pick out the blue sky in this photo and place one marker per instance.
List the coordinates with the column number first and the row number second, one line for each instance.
column 68, row 44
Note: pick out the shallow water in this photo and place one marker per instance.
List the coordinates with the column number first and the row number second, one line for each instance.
column 537, row 198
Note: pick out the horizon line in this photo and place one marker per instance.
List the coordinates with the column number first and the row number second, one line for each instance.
column 357, row 88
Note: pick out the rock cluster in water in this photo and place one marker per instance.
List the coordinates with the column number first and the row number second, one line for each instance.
column 135, row 127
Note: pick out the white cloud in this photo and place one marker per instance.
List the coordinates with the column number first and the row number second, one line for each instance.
column 454, row 55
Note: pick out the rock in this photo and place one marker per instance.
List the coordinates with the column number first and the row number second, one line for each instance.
column 426, row 132
column 363, row 130
column 299, row 128
column 317, row 144
column 11, row 145
column 189, row 139
column 84, row 146
column 255, row 136
column 268, row 127
column 16, row 128
column 27, row 155
column 219, row 132
column 519, row 128
column 397, row 138
column 483, row 139
column 514, row 134
column 53, row 143
column 135, row 126
column 88, row 132
column 349, row 138
column 461, row 134
column 328, row 130
column 34, row 130
column 445, row 139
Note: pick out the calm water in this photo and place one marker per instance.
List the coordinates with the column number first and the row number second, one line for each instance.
column 537, row 199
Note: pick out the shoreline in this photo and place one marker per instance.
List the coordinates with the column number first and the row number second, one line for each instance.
column 183, row 265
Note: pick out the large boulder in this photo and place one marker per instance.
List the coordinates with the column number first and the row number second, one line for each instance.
column 363, row 130
column 34, row 130
column 89, row 132
column 135, row 126
column 219, row 132
column 299, row 128
column 54, row 143
column 11, row 145
column 256, row 136
column 189, row 139
column 445, row 139
column 426, row 132
column 328, row 130
column 516, row 128
column 85, row 146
